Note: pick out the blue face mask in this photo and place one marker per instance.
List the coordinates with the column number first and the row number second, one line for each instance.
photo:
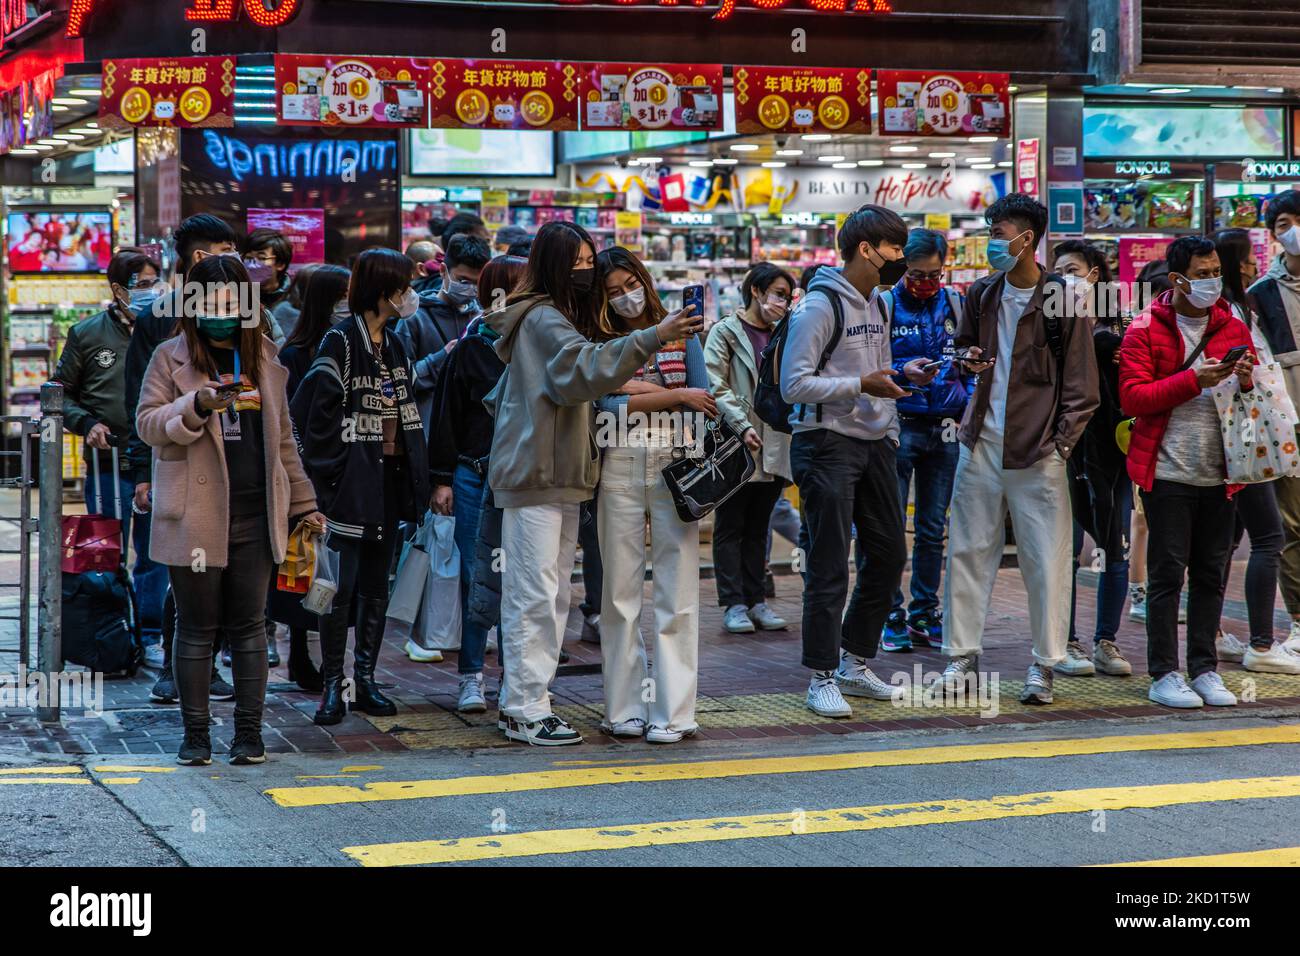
column 999, row 254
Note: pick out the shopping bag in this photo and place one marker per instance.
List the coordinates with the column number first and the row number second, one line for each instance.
column 438, row 626
column 94, row 542
column 319, row 598
column 408, row 586
column 1258, row 427
column 294, row 573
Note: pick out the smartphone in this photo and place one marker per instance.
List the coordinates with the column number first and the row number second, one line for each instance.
column 931, row 366
column 693, row 295
column 1234, row 355
column 228, row 392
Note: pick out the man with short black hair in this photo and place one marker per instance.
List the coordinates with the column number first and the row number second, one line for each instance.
column 464, row 223
column 1036, row 390
column 507, row 236
column 836, row 371
column 268, row 255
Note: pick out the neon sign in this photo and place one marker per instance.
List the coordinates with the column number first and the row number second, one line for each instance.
column 198, row 11
column 13, row 17
column 725, row 8
column 298, row 159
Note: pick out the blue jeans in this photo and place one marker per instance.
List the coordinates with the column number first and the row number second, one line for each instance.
column 924, row 455
column 467, row 504
column 148, row 580
column 1104, row 503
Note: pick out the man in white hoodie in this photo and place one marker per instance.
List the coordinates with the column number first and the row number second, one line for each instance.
column 836, row 371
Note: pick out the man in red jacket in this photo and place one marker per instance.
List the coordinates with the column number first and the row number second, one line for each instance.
column 1170, row 361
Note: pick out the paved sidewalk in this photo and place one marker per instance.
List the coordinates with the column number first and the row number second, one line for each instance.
column 751, row 686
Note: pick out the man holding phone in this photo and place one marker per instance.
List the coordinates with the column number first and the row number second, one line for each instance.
column 1173, row 355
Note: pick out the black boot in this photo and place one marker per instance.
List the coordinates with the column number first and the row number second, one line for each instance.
column 272, row 652
column 333, row 646
column 365, row 653
column 301, row 670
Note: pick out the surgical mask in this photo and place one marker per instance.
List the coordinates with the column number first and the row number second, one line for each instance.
column 460, row 292
column 582, row 280
column 774, row 310
column 999, row 254
column 891, row 270
column 1291, row 240
column 923, row 289
column 1079, row 287
column 258, row 270
column 629, row 305
column 1204, row 292
column 341, row 310
column 146, row 296
column 409, row 305
column 218, row 328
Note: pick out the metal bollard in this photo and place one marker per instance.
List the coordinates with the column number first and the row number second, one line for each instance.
column 49, row 653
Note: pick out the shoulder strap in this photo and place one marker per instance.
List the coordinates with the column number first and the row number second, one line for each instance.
column 1196, row 352
column 1052, row 325
column 954, row 302
column 837, row 308
column 887, row 306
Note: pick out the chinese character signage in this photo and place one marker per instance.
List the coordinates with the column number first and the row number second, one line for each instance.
column 943, row 104
column 504, row 94
column 645, row 97
column 783, row 99
column 194, row 91
column 351, row 91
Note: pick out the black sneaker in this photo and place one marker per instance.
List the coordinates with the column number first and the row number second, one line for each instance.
column 164, row 691
column 247, row 748
column 547, row 732
column 218, row 688
column 196, row 749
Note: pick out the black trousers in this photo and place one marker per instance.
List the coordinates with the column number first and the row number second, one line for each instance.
column 593, row 570
column 740, row 542
column 1190, row 532
column 847, row 483
column 229, row 600
column 1258, row 516
column 364, row 565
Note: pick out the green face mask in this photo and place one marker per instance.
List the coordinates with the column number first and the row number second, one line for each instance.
column 218, row 328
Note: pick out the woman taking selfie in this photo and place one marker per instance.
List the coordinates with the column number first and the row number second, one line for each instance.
column 227, row 486
column 740, row 536
column 544, row 461
column 632, row 490
column 363, row 446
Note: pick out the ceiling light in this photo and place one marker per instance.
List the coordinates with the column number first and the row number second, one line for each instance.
column 744, row 147
column 903, row 149
column 871, row 162
column 789, row 152
column 1168, row 90
column 1013, row 89
column 86, row 91
column 23, row 151
column 942, row 155
column 844, row 165
column 88, row 130
column 68, row 101
column 58, row 109
column 647, row 160
column 41, row 147
column 700, row 162
column 983, row 166
column 69, row 136
column 978, row 159
column 725, row 161
column 830, row 159
column 982, row 139
column 94, row 123
column 50, row 142
column 913, row 165
column 815, row 137
column 774, row 164
column 1005, row 164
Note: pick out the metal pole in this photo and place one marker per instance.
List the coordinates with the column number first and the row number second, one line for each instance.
column 49, row 659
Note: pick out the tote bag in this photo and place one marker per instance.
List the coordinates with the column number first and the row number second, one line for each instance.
column 1258, row 427
column 438, row 626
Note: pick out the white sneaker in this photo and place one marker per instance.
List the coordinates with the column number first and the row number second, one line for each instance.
column 1209, row 687
column 1276, row 660
column 154, row 656
column 472, row 699
column 824, row 698
column 857, row 680
column 624, row 728
column 1076, row 663
column 956, row 675
column 1108, row 659
column 547, row 732
column 1137, row 602
column 737, row 621
column 417, row 653
column 662, row 735
column 1292, row 642
column 765, row 619
column 590, row 629
column 1230, row 648
column 1172, row 691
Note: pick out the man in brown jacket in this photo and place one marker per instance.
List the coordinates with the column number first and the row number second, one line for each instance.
column 1036, row 390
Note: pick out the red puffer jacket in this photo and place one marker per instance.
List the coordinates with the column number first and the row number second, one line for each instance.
column 1150, row 385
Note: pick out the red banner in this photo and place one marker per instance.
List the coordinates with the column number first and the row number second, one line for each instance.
column 788, row 99
column 194, row 91
column 504, row 94
column 943, row 104
column 385, row 91
column 649, row 97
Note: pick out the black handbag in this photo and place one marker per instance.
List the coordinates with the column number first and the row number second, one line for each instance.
column 700, row 482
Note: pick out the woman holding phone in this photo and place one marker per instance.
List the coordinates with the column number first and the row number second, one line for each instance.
column 632, row 490
column 544, row 460
column 227, row 484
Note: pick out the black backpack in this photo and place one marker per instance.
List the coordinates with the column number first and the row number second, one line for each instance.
column 770, row 407
column 99, row 626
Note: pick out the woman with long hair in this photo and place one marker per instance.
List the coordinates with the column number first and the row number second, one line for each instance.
column 544, row 460
column 363, row 446
column 1258, row 513
column 632, row 492
column 459, row 451
column 227, row 483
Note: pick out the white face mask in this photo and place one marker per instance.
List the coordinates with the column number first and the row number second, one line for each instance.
column 1079, row 286
column 1291, row 240
column 630, row 304
column 341, row 310
column 1204, row 292
column 408, row 306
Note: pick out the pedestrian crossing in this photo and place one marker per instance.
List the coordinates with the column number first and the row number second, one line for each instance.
column 625, row 831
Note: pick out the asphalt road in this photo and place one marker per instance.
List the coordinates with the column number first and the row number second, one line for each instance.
column 1162, row 789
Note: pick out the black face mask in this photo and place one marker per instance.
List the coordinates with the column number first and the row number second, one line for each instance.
column 891, row 270
column 582, row 280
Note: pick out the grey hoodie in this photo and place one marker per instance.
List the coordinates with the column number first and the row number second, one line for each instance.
column 863, row 348
column 543, row 448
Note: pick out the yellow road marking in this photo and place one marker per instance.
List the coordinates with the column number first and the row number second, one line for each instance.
column 1287, row 856
column 315, row 796
column 121, row 780
column 361, row 768
column 68, row 780
column 127, row 768
column 617, row 836
column 22, row 771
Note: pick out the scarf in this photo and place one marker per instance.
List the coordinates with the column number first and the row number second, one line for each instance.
column 671, row 361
